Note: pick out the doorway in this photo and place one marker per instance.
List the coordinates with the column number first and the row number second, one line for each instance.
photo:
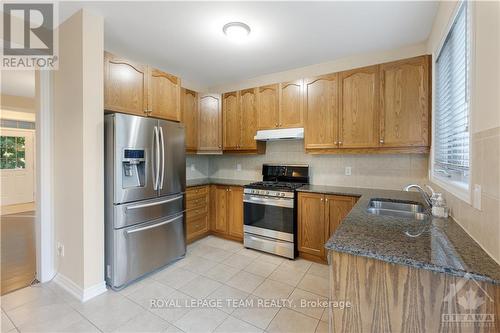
column 17, row 180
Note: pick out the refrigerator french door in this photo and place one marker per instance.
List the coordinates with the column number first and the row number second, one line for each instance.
column 145, row 182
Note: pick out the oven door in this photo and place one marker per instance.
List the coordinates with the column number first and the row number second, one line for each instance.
column 269, row 216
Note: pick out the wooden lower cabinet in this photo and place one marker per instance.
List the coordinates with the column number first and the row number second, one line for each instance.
column 197, row 212
column 318, row 217
column 226, row 203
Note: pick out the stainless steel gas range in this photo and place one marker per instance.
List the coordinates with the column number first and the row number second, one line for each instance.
column 270, row 215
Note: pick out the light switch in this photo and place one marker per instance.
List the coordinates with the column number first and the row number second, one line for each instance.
column 348, row 171
column 476, row 199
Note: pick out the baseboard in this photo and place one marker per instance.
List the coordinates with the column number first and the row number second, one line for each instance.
column 78, row 292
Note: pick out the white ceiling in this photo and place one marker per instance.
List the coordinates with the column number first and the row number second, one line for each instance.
column 18, row 83
column 186, row 38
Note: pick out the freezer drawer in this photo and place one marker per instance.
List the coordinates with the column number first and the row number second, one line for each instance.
column 143, row 248
column 147, row 210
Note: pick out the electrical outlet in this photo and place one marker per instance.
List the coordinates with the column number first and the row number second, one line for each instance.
column 348, row 171
column 60, row 249
column 238, row 167
column 193, row 168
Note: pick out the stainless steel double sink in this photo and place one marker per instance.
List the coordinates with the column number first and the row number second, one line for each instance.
column 397, row 208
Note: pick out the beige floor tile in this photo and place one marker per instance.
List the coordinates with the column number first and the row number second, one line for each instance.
column 234, row 325
column 315, row 284
column 70, row 322
column 150, row 293
column 221, row 272
column 256, row 315
column 298, row 264
column 319, row 270
column 7, row 324
column 287, row 275
column 308, row 303
column 325, row 315
column 245, row 281
column 261, row 268
column 271, row 258
column 177, row 278
column 200, row 287
column 239, row 261
column 322, row 327
column 145, row 322
column 216, row 254
column 175, row 306
column 201, row 320
column 130, row 289
column 197, row 264
column 229, row 297
column 250, row 253
column 27, row 295
column 224, row 244
column 35, row 314
column 270, row 289
column 288, row 321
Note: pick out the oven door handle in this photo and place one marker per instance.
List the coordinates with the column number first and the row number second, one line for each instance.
column 279, row 202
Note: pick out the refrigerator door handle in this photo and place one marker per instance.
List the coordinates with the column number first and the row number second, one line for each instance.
column 162, row 158
column 154, row 225
column 156, row 172
column 150, row 204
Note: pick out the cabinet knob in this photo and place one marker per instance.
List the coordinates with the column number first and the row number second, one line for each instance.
column 340, row 142
column 280, row 125
column 335, row 142
column 276, row 125
column 326, row 199
column 381, row 140
column 321, row 199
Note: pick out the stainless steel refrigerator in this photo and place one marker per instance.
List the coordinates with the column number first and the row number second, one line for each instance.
column 145, row 182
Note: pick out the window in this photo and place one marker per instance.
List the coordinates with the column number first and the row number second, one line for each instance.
column 451, row 133
column 12, row 152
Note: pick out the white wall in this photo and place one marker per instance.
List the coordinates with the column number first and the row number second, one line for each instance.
column 78, row 154
column 482, row 224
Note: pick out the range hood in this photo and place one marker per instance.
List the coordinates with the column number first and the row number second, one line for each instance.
column 280, row 134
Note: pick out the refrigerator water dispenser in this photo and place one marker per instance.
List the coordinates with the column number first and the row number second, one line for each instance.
column 133, row 168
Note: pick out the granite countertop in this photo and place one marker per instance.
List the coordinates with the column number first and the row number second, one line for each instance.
column 439, row 245
column 217, row 181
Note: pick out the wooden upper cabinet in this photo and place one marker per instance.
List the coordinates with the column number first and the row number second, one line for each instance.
column 268, row 106
column 210, row 123
column 189, row 103
column 291, row 106
column 359, row 108
column 336, row 209
column 311, row 224
column 235, row 211
column 125, row 85
column 248, row 111
column 404, row 103
column 232, row 120
column 165, row 95
column 321, row 112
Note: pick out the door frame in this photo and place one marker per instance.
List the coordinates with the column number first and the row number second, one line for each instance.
column 44, row 146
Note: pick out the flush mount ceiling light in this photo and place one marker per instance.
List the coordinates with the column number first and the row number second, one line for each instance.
column 236, row 31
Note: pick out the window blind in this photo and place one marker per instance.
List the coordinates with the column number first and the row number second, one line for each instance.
column 451, row 150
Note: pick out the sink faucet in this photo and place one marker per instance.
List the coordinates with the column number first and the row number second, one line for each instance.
column 424, row 194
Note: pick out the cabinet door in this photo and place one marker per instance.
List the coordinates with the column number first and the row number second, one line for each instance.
column 359, row 116
column 125, row 85
column 268, row 106
column 404, row 103
column 248, row 111
column 165, row 96
column 189, row 104
column 291, row 106
column 232, row 120
column 210, row 124
column 311, row 224
column 336, row 209
column 321, row 112
column 221, row 194
column 235, row 211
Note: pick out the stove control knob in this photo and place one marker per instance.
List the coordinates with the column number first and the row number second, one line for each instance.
column 282, row 194
column 267, row 192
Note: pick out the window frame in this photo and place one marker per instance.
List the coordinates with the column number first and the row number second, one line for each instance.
column 457, row 189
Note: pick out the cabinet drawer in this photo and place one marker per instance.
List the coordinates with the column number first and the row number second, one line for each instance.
column 198, row 202
column 196, row 212
column 196, row 225
column 196, row 192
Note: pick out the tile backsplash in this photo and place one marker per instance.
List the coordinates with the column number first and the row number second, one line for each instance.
column 377, row 171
